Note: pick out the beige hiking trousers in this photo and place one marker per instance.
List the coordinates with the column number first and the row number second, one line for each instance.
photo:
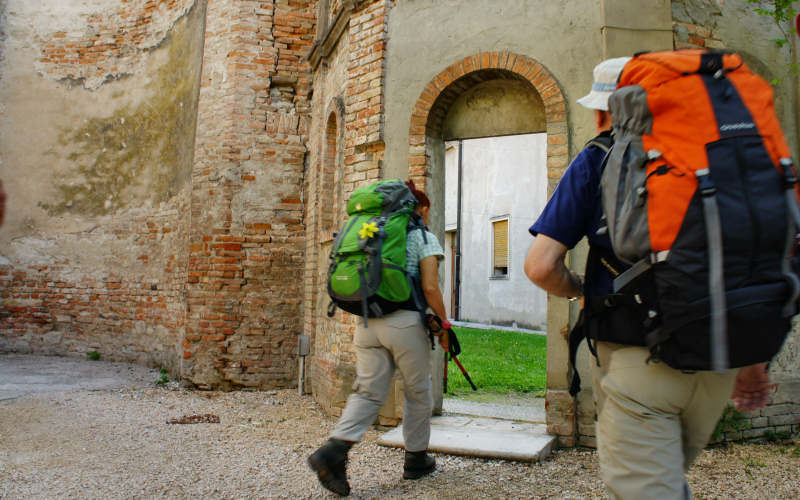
column 653, row 421
column 398, row 340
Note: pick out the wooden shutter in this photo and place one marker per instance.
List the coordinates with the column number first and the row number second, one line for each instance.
column 500, row 243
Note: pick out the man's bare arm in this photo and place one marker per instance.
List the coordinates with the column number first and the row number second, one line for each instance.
column 544, row 266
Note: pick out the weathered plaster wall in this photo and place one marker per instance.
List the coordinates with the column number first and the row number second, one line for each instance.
column 428, row 35
column 99, row 109
column 495, row 107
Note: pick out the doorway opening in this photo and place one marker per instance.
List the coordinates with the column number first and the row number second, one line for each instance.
column 484, row 100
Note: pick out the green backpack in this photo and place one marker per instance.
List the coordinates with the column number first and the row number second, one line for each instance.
column 367, row 273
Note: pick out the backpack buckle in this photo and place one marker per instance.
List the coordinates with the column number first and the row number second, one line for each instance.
column 789, row 175
column 706, row 185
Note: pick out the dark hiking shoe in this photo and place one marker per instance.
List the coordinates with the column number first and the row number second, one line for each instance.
column 418, row 464
column 330, row 464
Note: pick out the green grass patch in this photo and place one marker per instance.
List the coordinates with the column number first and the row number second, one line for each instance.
column 499, row 362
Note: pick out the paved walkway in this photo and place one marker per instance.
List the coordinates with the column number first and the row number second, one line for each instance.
column 22, row 374
column 484, row 326
column 515, row 432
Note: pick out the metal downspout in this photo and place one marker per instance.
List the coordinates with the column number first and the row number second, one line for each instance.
column 457, row 291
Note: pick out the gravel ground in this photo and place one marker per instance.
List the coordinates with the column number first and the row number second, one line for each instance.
column 115, row 443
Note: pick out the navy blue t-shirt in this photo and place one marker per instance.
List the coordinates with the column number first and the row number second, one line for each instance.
column 575, row 211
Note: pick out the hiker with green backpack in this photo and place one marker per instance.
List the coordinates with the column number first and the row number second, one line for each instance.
column 385, row 269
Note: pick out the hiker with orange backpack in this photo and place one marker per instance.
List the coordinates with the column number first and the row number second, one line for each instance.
column 662, row 377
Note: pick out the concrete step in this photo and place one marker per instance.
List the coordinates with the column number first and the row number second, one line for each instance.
column 519, row 409
column 483, row 437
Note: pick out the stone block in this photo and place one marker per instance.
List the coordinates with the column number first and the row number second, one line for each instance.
column 780, row 409
column 782, row 420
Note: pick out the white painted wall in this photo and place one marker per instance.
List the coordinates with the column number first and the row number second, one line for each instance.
column 502, row 176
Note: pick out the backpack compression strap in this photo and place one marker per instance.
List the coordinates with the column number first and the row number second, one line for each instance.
column 716, row 278
column 790, row 180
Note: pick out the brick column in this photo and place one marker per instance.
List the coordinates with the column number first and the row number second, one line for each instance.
column 246, row 242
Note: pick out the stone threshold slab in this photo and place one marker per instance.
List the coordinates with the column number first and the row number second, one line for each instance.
column 483, row 437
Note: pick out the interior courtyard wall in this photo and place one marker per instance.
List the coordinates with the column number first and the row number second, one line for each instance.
column 99, row 103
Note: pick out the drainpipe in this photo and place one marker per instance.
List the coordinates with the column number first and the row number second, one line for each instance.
column 457, row 291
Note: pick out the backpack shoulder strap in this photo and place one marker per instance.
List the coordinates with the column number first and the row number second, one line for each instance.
column 603, row 141
column 581, row 331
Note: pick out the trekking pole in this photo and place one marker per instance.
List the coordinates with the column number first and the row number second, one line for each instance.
column 466, row 375
column 453, row 348
column 444, row 380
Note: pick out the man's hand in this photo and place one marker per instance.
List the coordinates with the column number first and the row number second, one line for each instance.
column 753, row 388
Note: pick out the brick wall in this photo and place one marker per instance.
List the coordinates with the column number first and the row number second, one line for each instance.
column 247, row 230
column 55, row 305
column 348, row 117
column 692, row 29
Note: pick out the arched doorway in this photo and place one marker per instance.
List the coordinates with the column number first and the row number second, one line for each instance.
column 519, row 97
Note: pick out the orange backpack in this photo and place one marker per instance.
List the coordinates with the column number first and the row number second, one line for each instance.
column 699, row 193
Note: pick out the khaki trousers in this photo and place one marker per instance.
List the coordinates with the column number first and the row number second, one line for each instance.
column 653, row 421
column 398, row 340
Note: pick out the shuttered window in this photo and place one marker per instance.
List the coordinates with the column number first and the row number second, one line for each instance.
column 500, row 250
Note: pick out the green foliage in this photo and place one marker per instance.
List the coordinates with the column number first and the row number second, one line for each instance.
column 782, row 13
column 164, row 377
column 93, row 355
column 732, row 420
column 753, row 462
column 499, row 362
column 773, row 436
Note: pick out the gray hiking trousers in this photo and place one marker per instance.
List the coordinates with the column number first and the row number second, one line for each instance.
column 398, row 340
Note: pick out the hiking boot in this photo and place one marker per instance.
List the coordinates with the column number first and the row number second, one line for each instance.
column 418, row 464
column 330, row 464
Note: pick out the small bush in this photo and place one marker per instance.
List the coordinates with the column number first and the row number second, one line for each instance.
column 164, row 377
column 93, row 355
column 773, row 436
column 732, row 420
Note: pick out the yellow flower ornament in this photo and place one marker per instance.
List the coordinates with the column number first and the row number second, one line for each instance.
column 368, row 230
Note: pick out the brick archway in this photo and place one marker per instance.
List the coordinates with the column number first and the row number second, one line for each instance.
column 425, row 139
column 432, row 104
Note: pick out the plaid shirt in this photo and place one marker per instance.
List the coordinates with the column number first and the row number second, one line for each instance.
column 417, row 249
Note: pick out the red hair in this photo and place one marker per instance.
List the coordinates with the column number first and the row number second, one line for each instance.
column 421, row 197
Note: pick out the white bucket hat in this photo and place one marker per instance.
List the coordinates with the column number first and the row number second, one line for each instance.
column 606, row 75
